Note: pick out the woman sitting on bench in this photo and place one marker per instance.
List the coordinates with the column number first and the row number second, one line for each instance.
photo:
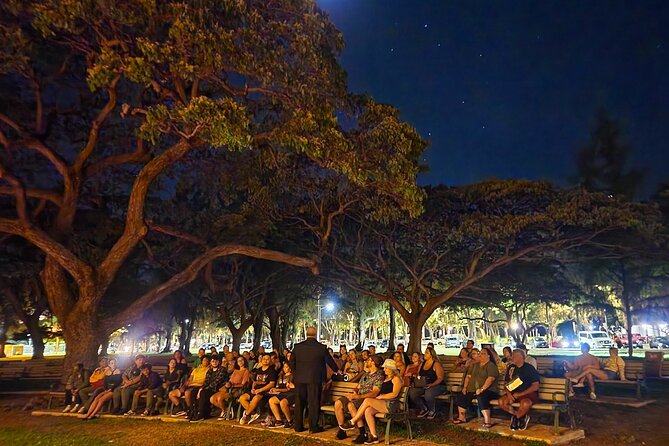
column 614, row 369
column 385, row 402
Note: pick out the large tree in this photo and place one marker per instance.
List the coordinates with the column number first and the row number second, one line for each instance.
column 105, row 99
column 466, row 233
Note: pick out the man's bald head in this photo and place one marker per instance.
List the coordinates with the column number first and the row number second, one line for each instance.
column 311, row 332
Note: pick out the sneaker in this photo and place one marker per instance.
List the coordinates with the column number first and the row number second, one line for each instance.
column 196, row 420
column 244, row 419
column 423, row 413
column 82, row 410
column 430, row 415
column 221, row 418
column 254, row 417
column 129, row 413
column 347, row 426
column 372, row 440
column 288, row 425
column 514, row 423
column 522, row 424
column 181, row 413
column 68, row 408
column 593, row 396
column 276, row 424
column 341, row 434
column 360, row 439
column 145, row 413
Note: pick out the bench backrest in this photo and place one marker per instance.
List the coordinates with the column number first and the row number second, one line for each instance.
column 339, row 389
column 554, row 389
column 454, row 379
column 634, row 369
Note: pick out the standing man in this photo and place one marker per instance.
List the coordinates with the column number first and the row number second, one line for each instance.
column 308, row 364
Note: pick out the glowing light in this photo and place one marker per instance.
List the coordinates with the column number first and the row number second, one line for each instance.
column 329, row 306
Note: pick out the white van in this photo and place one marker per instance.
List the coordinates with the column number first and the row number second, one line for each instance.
column 455, row 341
column 595, row 339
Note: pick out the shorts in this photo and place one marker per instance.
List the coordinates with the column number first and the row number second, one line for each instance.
column 357, row 402
column 611, row 374
column 534, row 397
column 290, row 396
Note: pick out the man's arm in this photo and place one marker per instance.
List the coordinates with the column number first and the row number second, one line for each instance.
column 371, row 394
column 534, row 387
column 329, row 360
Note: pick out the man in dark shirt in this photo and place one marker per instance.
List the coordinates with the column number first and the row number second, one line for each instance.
column 213, row 382
column 149, row 381
column 123, row 394
column 253, row 402
column 523, row 388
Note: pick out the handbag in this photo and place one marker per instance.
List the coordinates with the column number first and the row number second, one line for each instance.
column 419, row 382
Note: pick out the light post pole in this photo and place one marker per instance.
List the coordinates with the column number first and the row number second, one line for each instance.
column 328, row 307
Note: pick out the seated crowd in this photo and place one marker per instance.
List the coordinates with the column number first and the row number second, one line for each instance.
column 262, row 384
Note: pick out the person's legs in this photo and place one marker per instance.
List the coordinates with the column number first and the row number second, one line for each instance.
column 300, row 403
column 253, row 404
column 353, row 410
column 431, row 397
column 359, row 414
column 285, row 408
column 525, row 406
column 416, row 398
column 151, row 396
column 135, row 401
column 244, row 401
column 505, row 405
column 370, row 412
column 116, row 396
column 464, row 402
column 275, row 408
column 338, row 410
column 484, row 400
column 314, row 402
column 204, row 405
column 127, row 395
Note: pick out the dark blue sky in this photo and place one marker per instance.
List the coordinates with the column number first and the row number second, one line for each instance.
column 510, row 89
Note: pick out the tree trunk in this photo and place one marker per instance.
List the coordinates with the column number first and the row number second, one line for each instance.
column 82, row 341
column 104, row 346
column 361, row 332
column 236, row 339
column 275, row 328
column 168, row 340
column 628, row 317
column 393, row 329
column 3, row 341
column 257, row 331
column 415, row 335
column 32, row 324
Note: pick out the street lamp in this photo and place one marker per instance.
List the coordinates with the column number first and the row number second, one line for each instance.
column 329, row 307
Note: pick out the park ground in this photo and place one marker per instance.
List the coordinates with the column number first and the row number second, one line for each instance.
column 604, row 425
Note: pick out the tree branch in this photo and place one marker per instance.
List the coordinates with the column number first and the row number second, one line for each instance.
column 135, row 310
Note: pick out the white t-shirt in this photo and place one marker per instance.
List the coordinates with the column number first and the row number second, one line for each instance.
column 533, row 362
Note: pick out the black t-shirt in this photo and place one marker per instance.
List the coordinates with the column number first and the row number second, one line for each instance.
column 527, row 374
column 263, row 377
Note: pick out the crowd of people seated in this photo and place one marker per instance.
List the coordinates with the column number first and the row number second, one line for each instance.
column 262, row 384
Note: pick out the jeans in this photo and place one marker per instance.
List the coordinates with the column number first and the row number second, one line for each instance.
column 123, row 397
column 426, row 399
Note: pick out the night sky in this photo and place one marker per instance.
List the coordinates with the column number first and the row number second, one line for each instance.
column 509, row 89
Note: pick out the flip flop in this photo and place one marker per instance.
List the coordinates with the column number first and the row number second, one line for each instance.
column 459, row 421
column 488, row 425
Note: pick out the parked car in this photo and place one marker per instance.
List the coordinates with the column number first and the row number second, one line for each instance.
column 565, row 342
column 660, row 342
column 637, row 340
column 539, row 342
column 455, row 341
column 595, row 339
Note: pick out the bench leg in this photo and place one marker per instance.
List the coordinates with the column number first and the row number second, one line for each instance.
column 556, row 422
column 408, row 423
column 638, row 390
column 388, row 431
column 450, row 411
column 572, row 422
column 48, row 405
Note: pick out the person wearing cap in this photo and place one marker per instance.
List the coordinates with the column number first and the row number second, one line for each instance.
column 528, row 359
column 385, row 402
column 122, row 396
column 150, row 385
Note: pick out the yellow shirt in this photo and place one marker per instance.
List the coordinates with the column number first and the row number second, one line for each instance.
column 198, row 375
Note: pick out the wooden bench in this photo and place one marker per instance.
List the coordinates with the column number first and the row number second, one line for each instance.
column 554, row 398
column 339, row 389
column 453, row 382
column 634, row 372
